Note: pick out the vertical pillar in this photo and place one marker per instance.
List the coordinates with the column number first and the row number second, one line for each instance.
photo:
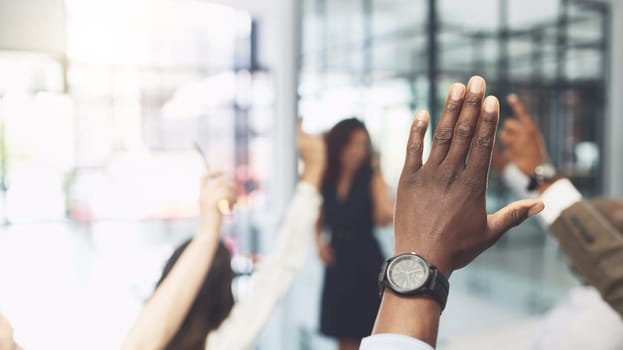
column 433, row 59
column 613, row 157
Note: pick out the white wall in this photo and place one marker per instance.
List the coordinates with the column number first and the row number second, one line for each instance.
column 33, row 25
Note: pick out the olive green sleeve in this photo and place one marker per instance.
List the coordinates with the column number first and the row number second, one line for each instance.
column 595, row 248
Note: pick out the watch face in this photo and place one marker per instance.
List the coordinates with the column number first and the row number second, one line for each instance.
column 407, row 273
column 545, row 172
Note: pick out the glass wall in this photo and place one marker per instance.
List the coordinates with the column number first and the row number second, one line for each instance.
column 100, row 172
column 36, row 137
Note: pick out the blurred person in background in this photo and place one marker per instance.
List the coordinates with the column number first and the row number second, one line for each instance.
column 193, row 299
column 356, row 199
column 6, row 335
column 590, row 233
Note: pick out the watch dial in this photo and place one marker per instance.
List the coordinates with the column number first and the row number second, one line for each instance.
column 545, row 171
column 549, row 171
column 408, row 273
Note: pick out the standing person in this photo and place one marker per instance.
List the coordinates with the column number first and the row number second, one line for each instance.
column 355, row 200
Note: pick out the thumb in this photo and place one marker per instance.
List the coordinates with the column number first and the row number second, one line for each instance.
column 512, row 215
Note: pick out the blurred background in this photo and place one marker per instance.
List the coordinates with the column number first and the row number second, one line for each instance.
column 102, row 102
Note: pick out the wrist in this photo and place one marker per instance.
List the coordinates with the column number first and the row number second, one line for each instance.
column 544, row 186
column 207, row 237
column 528, row 166
column 210, row 220
column 412, row 316
column 440, row 263
column 542, row 177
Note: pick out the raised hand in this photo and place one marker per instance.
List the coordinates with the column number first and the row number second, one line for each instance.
column 216, row 196
column 522, row 140
column 440, row 208
column 313, row 151
column 325, row 251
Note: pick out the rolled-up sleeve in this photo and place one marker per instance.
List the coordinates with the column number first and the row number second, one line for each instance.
column 393, row 342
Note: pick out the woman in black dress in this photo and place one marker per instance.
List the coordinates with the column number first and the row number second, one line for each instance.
column 355, row 200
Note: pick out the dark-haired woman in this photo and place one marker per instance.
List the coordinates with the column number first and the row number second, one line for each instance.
column 193, row 299
column 355, row 200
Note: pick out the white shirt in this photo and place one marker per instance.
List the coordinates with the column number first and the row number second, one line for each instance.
column 393, row 342
column 517, row 181
column 274, row 275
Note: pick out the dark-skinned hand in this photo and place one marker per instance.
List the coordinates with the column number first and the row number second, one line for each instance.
column 440, row 207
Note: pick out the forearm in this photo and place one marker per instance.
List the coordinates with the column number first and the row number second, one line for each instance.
column 415, row 317
column 6, row 334
column 312, row 174
column 165, row 312
column 595, row 248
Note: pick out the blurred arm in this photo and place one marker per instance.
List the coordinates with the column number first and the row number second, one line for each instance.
column 6, row 335
column 165, row 311
column 593, row 245
column 595, row 248
column 274, row 276
column 383, row 209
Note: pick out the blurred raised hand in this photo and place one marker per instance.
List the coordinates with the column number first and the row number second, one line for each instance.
column 216, row 197
column 313, row 152
column 522, row 139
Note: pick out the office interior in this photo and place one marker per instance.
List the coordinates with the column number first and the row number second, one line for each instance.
column 102, row 103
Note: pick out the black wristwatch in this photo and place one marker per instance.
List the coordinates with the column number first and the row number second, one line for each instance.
column 543, row 173
column 411, row 275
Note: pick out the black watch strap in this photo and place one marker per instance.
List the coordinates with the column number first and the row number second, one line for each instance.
column 534, row 183
column 438, row 286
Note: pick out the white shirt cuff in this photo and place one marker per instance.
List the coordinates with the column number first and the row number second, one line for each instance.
column 393, row 342
column 558, row 197
column 517, row 181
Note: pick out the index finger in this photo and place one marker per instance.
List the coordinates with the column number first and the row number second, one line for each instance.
column 519, row 109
